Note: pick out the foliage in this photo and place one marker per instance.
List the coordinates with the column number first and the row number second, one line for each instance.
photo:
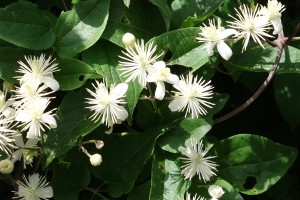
column 142, row 158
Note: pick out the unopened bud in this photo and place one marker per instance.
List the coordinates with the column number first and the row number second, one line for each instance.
column 99, row 144
column 96, row 159
column 6, row 166
column 128, row 40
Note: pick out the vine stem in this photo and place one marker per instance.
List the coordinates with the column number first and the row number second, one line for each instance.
column 280, row 43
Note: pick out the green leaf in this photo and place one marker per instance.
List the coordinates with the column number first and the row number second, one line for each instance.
column 257, row 59
column 8, row 62
column 252, row 163
column 183, row 47
column 157, row 179
column 174, row 185
column 104, row 60
column 24, row 25
column 188, row 130
column 73, row 73
column 67, row 182
column 200, row 9
column 73, row 121
column 286, row 91
column 124, row 157
column 165, row 10
column 81, row 27
column 140, row 192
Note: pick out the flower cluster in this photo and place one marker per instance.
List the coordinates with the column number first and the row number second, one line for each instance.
column 25, row 114
column 248, row 23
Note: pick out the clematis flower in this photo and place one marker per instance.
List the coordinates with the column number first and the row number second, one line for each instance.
column 107, row 104
column 138, row 61
column 213, row 36
column 27, row 93
column 250, row 24
column 196, row 162
column 25, row 150
column 33, row 118
column 159, row 75
column 192, row 95
column 33, row 188
column 39, row 70
column 273, row 13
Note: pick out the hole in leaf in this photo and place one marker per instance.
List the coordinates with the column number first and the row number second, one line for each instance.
column 81, row 77
column 168, row 55
column 250, row 182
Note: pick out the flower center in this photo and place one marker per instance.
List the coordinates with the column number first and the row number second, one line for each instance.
column 164, row 74
column 31, row 192
column 143, row 61
column 198, row 158
column 36, row 69
column 105, row 101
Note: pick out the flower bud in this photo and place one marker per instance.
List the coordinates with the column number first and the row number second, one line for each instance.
column 6, row 166
column 128, row 40
column 96, row 159
column 99, row 144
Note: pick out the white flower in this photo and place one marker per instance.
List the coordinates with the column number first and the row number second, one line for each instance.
column 195, row 197
column 250, row 24
column 192, row 95
column 96, row 159
column 128, row 40
column 6, row 134
column 33, row 117
column 215, row 192
column 159, row 75
column 196, row 162
column 108, row 104
column 6, row 166
column 26, row 150
column 27, row 93
column 138, row 61
column 214, row 36
column 34, row 188
column 39, row 70
column 273, row 14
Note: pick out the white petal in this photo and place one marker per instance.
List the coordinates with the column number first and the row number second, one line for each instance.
column 46, row 192
column 122, row 114
column 22, row 116
column 51, row 83
column 49, row 119
column 119, row 90
column 159, row 65
column 173, row 79
column 160, row 90
column 209, row 48
column 19, row 140
column 224, row 50
column 176, row 104
column 227, row 32
column 277, row 26
column 152, row 77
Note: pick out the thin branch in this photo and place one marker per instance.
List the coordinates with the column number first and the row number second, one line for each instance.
column 280, row 42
